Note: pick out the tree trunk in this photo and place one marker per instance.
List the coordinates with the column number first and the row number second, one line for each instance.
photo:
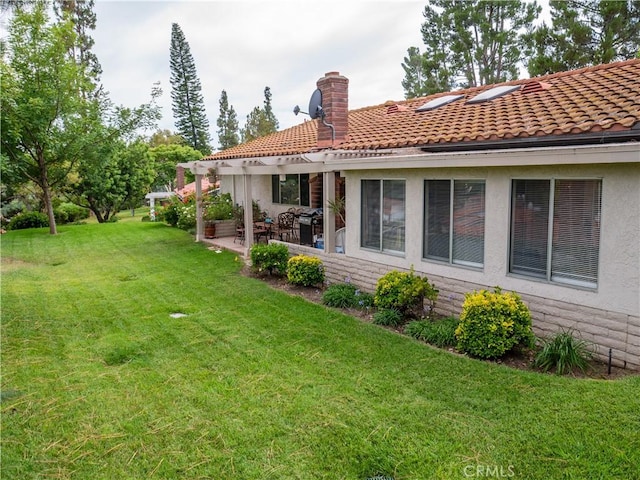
column 46, row 192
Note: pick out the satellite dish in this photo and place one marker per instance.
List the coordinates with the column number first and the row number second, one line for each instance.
column 315, row 104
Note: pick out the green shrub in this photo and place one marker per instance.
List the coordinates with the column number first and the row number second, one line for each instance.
column 389, row 317
column 346, row 295
column 365, row 299
column 340, row 295
column 179, row 213
column 493, row 323
column 218, row 207
column 70, row 213
column 270, row 258
column 304, row 270
column 187, row 216
column 405, row 292
column 565, row 353
column 28, row 220
column 169, row 213
column 441, row 333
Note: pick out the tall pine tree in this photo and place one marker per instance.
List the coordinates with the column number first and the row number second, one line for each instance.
column 84, row 21
column 586, row 32
column 186, row 96
column 261, row 121
column 468, row 43
column 227, row 124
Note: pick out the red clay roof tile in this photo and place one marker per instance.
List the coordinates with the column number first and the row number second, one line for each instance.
column 592, row 99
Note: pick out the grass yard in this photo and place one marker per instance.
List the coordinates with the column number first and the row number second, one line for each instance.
column 100, row 382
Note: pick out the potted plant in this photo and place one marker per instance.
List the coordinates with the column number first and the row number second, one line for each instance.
column 337, row 207
column 218, row 208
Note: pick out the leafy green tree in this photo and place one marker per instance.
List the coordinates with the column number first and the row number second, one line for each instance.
column 468, row 43
column 261, row 121
column 116, row 168
column 186, row 96
column 44, row 116
column 117, row 178
column 54, row 133
column 166, row 158
column 165, row 137
column 227, row 124
column 584, row 33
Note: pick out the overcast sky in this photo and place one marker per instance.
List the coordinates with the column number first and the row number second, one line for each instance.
column 243, row 46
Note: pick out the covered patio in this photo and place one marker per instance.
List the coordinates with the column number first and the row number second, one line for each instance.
column 249, row 180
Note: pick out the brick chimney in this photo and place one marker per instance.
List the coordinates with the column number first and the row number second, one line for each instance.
column 179, row 178
column 335, row 103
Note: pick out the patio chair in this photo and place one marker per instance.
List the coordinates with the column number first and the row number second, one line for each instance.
column 239, row 233
column 285, row 226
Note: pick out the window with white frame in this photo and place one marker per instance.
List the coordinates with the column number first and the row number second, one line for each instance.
column 555, row 230
column 454, row 212
column 290, row 189
column 383, row 215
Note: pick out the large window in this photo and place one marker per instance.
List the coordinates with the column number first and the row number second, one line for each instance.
column 383, row 215
column 555, row 230
column 290, row 189
column 454, row 221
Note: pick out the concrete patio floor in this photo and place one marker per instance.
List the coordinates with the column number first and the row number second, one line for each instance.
column 227, row 243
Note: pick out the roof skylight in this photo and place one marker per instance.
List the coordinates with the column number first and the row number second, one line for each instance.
column 492, row 93
column 438, row 102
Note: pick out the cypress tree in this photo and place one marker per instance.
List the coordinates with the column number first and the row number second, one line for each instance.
column 227, row 124
column 186, row 97
column 261, row 121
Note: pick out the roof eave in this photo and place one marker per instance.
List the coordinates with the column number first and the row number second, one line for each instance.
column 591, row 138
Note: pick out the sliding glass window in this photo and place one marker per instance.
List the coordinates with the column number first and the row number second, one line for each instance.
column 454, row 221
column 555, row 230
column 383, row 215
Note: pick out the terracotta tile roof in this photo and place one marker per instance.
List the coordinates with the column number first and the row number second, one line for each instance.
column 190, row 188
column 590, row 100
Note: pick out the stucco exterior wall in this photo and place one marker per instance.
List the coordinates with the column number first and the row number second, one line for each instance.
column 618, row 287
column 260, row 190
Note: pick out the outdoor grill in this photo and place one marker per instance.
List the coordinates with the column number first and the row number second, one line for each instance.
column 310, row 221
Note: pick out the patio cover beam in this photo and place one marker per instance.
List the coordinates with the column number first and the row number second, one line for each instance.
column 312, row 162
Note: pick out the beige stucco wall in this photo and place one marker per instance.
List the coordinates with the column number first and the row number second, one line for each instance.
column 619, row 270
column 608, row 316
column 260, row 190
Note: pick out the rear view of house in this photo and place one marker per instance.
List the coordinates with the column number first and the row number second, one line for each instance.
column 532, row 185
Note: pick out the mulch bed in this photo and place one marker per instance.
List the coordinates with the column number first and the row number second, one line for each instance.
column 518, row 360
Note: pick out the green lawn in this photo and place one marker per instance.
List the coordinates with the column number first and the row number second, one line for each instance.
column 100, row 382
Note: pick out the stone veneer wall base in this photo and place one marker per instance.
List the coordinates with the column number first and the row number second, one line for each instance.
column 604, row 329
